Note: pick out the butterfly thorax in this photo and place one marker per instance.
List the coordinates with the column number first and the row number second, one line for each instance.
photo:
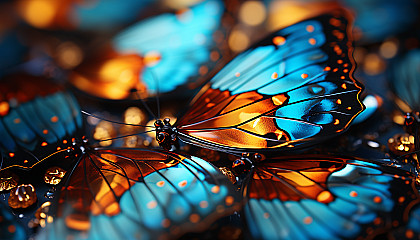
column 166, row 134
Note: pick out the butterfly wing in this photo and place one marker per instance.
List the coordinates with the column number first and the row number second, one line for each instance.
column 35, row 115
column 327, row 197
column 132, row 193
column 148, row 55
column 293, row 87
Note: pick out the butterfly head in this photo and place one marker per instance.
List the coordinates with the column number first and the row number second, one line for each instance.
column 166, row 134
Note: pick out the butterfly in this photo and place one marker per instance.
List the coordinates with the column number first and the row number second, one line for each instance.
column 146, row 56
column 37, row 118
column 292, row 89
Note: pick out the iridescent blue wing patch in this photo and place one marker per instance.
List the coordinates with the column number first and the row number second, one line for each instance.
column 168, row 40
column 327, row 197
column 133, row 193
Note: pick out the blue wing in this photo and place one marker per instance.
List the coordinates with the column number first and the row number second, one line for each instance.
column 36, row 121
column 174, row 38
column 133, row 193
column 327, row 197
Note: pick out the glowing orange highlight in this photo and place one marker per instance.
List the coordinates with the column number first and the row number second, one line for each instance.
column 310, row 28
column 279, row 40
column 312, row 41
column 54, row 119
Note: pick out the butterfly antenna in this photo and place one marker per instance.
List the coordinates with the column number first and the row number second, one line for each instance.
column 144, row 104
column 124, row 136
column 116, row 122
column 156, row 80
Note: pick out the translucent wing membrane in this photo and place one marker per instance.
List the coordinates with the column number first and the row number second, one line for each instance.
column 35, row 114
column 132, row 193
column 326, row 197
column 294, row 86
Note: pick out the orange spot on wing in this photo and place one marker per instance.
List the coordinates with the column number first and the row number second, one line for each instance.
column 182, row 183
column 11, row 154
column 215, row 189
column 54, row 119
column 312, row 41
column 275, row 75
column 307, row 220
column 310, row 28
column 325, row 197
column 44, row 144
column 353, row 194
column 279, row 40
column 304, row 75
column 160, row 183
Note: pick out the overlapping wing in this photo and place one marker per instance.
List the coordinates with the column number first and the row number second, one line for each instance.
column 294, row 87
column 132, row 193
column 327, row 197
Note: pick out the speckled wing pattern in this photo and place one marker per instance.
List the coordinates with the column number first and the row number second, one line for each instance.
column 37, row 117
column 293, row 88
column 327, row 197
column 138, row 193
